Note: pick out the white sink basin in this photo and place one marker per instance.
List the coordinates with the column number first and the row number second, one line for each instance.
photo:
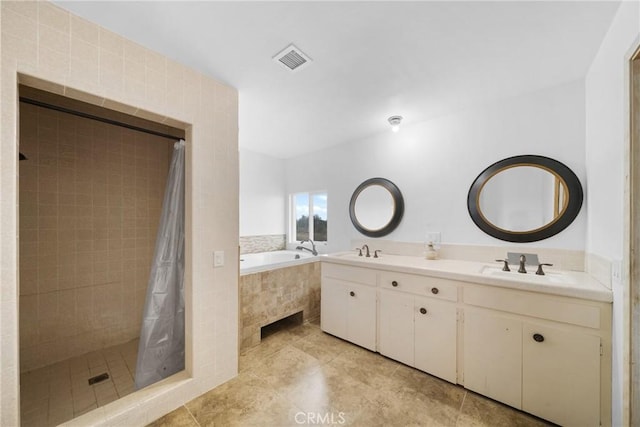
column 550, row 277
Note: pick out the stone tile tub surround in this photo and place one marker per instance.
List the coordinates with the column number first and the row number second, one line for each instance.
column 263, row 243
column 48, row 48
column 273, row 295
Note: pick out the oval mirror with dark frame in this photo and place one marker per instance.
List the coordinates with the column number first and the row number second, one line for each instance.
column 525, row 198
column 376, row 207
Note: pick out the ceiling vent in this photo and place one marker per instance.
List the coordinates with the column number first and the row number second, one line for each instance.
column 292, row 58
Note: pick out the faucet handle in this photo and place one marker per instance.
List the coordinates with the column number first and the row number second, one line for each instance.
column 506, row 264
column 375, row 253
column 359, row 251
column 539, row 272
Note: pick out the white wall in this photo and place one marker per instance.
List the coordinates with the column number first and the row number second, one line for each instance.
column 263, row 202
column 606, row 135
column 607, row 127
column 434, row 163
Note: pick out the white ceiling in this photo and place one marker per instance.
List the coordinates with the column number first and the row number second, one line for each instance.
column 371, row 60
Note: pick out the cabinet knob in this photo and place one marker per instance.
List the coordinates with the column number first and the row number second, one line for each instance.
column 435, row 291
column 353, row 294
column 538, row 337
column 423, row 310
column 394, row 284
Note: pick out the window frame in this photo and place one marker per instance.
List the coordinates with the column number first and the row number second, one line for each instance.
column 293, row 217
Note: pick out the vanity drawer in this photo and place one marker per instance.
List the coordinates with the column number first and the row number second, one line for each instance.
column 549, row 307
column 350, row 274
column 420, row 285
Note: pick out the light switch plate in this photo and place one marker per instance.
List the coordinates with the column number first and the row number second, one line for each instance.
column 218, row 259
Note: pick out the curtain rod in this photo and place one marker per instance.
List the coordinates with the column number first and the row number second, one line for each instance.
column 97, row 118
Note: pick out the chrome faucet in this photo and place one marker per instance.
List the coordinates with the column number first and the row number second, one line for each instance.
column 368, row 255
column 523, row 260
column 313, row 246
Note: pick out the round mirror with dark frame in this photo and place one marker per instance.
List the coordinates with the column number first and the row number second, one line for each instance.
column 376, row 207
column 525, row 198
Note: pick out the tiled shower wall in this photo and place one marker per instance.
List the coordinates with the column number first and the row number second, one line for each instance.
column 90, row 202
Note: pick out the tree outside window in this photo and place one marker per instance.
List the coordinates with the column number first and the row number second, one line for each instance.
column 309, row 216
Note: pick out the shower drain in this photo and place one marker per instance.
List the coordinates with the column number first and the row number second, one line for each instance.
column 98, row 378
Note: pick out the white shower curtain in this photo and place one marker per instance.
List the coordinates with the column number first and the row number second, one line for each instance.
column 161, row 348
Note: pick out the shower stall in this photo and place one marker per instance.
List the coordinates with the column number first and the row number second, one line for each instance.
column 91, row 189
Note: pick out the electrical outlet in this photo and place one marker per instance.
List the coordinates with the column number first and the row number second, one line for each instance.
column 218, row 259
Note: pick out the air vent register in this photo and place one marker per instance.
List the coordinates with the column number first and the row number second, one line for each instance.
column 292, row 58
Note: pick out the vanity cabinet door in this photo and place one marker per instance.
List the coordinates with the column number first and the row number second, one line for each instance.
column 333, row 307
column 396, row 328
column 493, row 356
column 361, row 315
column 561, row 375
column 435, row 337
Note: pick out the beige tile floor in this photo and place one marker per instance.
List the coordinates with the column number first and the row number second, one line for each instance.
column 59, row 392
column 302, row 376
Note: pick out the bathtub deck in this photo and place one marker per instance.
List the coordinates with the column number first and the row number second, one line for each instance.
column 265, row 261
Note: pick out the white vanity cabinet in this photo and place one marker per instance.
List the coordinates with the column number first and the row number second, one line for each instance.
column 547, row 363
column 417, row 330
column 348, row 304
column 396, row 326
column 435, row 337
column 493, row 356
column 561, row 375
column 545, row 353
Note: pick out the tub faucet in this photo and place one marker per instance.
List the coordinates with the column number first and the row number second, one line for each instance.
column 523, row 260
column 313, row 246
column 368, row 255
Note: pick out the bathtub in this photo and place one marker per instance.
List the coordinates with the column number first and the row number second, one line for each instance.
column 264, row 261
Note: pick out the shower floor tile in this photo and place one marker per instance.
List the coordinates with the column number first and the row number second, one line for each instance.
column 57, row 393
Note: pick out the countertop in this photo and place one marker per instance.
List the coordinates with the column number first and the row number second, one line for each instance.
column 556, row 282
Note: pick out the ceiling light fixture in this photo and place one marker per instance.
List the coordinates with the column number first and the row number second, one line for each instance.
column 394, row 121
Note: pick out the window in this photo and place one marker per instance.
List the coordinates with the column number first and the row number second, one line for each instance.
column 309, row 217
